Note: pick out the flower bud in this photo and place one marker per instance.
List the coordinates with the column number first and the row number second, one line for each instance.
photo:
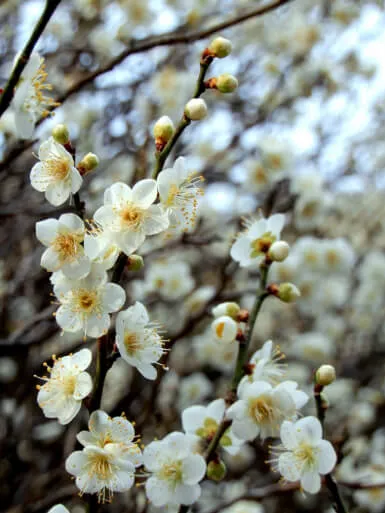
column 325, row 375
column 61, row 134
column 288, row 293
column 163, row 131
column 216, row 470
column 227, row 83
column 196, row 109
column 134, row 263
column 224, row 329
column 229, row 308
column 88, row 163
column 220, row 47
column 279, row 251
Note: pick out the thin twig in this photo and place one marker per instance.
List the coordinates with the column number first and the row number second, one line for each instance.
column 22, row 61
column 144, row 45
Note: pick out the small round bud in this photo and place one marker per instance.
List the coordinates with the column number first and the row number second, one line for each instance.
column 216, row 470
column 288, row 293
column 196, row 109
column 134, row 263
column 325, row 375
column 229, row 308
column 279, row 251
column 227, row 83
column 88, row 163
column 220, row 47
column 163, row 130
column 61, row 134
column 224, row 329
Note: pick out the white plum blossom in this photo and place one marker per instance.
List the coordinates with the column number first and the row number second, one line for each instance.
column 63, row 238
column 262, row 408
column 138, row 341
column 103, row 430
column 265, row 365
column 29, row 102
column 179, row 190
column 203, row 422
column 176, row 470
column 109, row 457
column 100, row 248
column 55, row 174
column 306, row 455
column 224, row 329
column 129, row 214
column 85, row 304
column 252, row 245
column 67, row 385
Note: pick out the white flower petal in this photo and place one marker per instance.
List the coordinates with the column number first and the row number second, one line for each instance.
column 113, row 297
column 83, row 386
column 327, row 457
column 289, row 467
column 144, row 193
column 46, row 231
column 193, row 469
column 311, row 482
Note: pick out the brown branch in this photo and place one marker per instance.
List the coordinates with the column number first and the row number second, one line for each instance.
column 143, row 45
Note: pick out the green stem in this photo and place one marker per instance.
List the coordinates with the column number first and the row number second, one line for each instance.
column 330, row 482
column 239, row 370
column 6, row 97
column 161, row 156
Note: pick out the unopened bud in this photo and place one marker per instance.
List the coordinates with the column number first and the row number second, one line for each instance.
column 279, row 251
column 288, row 293
column 229, row 308
column 134, row 263
column 220, row 47
column 224, row 329
column 216, row 470
column 61, row 134
column 88, row 163
column 196, row 109
column 163, row 131
column 325, row 375
column 227, row 83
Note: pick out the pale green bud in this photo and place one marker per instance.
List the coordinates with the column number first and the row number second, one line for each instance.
column 134, row 263
column 325, row 375
column 164, row 129
column 196, row 109
column 227, row 83
column 220, row 47
column 88, row 163
column 216, row 470
column 288, row 293
column 61, row 134
column 279, row 251
column 229, row 308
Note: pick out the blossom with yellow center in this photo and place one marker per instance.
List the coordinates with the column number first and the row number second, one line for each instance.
column 176, row 470
column 66, row 386
column 55, row 174
column 108, row 459
column 304, row 454
column 262, row 408
column 85, row 304
column 179, row 191
column 139, row 341
column 63, row 239
column 251, row 246
column 203, row 421
column 128, row 215
column 30, row 101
